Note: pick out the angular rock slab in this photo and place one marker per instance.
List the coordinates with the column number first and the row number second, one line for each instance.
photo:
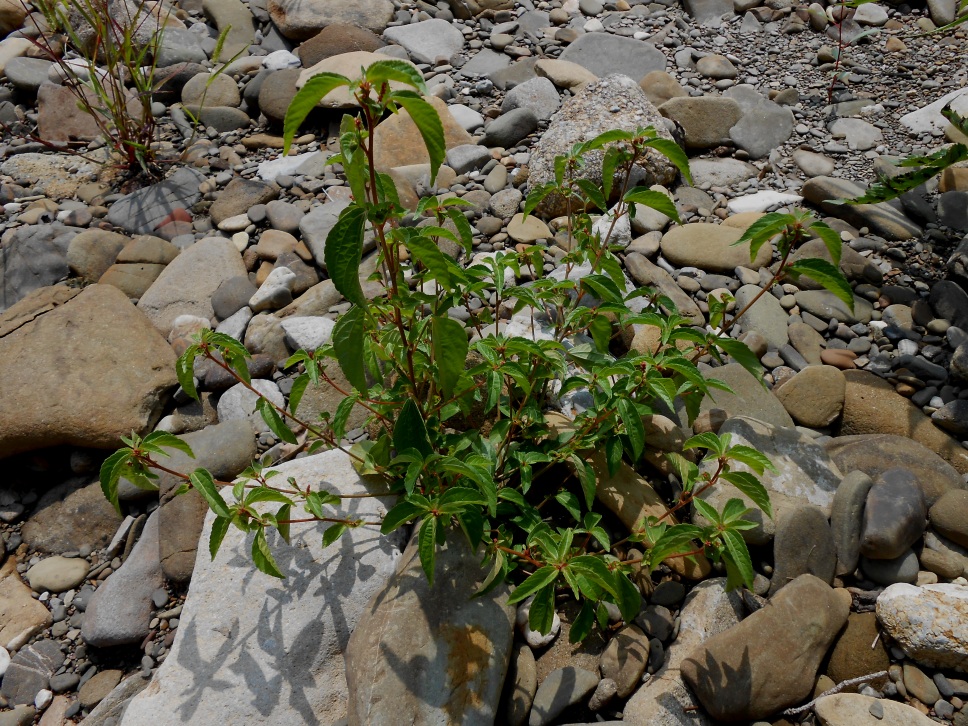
column 21, row 616
column 735, row 673
column 853, row 709
column 254, row 650
column 930, row 623
column 141, row 211
column 431, row 654
column 85, row 373
column 805, row 474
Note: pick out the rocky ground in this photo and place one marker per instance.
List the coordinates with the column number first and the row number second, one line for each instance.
column 863, row 569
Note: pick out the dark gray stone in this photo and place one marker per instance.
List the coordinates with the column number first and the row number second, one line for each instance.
column 560, row 689
column 953, row 210
column 953, row 418
column 895, row 515
column 30, row 670
column 34, row 257
column 509, row 128
column 709, row 12
column 888, row 572
column 232, row 295
column 950, row 302
column 803, row 545
column 27, row 74
column 847, row 518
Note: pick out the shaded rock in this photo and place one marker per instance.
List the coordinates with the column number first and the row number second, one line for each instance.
column 749, row 396
column 120, row 610
column 666, row 700
column 431, row 653
column 510, row 128
column 604, row 54
column 520, row 686
column 706, row 120
column 882, row 219
column 30, row 670
column 872, row 406
column 803, row 545
column 625, row 659
column 248, row 651
column 239, row 195
column 766, row 317
column 847, row 518
column 97, row 688
column 887, row 572
column 734, row 673
column 83, row 517
column 69, row 347
column 949, row 516
column 336, row 39
column 763, row 126
column 561, row 689
column 929, row 623
column 187, row 284
column 894, row 515
column 709, row 12
column 858, row 651
column 33, row 257
column 588, row 114
column 804, row 474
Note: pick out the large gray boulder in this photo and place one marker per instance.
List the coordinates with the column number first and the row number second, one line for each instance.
column 431, row 654
column 253, row 650
column 585, row 116
column 82, row 372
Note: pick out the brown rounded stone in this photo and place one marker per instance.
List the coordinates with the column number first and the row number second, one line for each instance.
column 858, row 651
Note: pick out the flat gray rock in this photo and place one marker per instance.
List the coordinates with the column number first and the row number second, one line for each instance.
column 252, row 650
column 428, row 40
column 764, row 124
column 141, row 211
column 604, row 54
column 35, row 256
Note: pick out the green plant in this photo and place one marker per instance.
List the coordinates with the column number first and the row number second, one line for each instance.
column 116, row 50
column 922, row 168
column 460, row 426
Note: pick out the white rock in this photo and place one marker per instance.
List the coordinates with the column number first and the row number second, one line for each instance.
column 929, row 118
column 271, row 295
column 240, row 240
column 42, row 699
column 4, row 660
column 234, row 224
column 306, row 332
column 621, row 233
column 280, row 60
column 285, row 165
column 533, row 637
column 252, row 649
column 428, row 40
column 236, row 323
column 467, row 117
column 239, row 402
column 761, row 201
column 11, row 48
column 593, row 25
column 929, row 623
column 871, row 14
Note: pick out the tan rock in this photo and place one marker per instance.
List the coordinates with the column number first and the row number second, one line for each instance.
column 398, row 142
column 349, row 65
column 21, row 616
column 82, row 374
column 659, row 86
column 743, row 220
column 564, row 74
column 710, row 247
column 872, row 406
column 815, row 396
column 853, row 709
column 527, row 230
column 954, row 179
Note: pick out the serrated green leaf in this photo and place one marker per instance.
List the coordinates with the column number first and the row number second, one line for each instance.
column 343, row 252
column 401, row 513
column 674, row 153
column 110, row 475
column 749, row 485
column 395, row 70
column 282, row 523
column 541, row 613
column 634, row 428
column 204, row 484
column 425, row 118
column 167, row 440
column 830, row 238
column 655, row 200
column 755, row 460
column 274, row 421
column 348, row 334
column 581, row 627
column 705, row 440
column 305, row 100
column 762, row 231
column 333, row 533
column 427, row 547
column 706, row 510
column 827, row 275
column 262, row 556
column 410, row 430
column 450, row 351
column 629, row 599
column 185, row 372
column 219, row 527
column 739, row 557
column 299, row 385
column 543, row 577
